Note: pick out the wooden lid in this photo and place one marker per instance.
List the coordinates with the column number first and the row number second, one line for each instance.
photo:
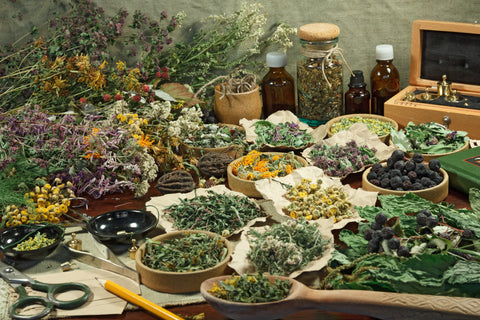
column 318, row 31
column 418, row 47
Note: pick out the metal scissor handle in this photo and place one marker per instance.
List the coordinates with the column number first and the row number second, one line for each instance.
column 50, row 301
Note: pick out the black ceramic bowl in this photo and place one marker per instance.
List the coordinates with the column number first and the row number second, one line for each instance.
column 121, row 226
column 10, row 237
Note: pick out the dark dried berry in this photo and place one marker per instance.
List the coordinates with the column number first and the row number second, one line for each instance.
column 390, row 162
column 410, row 165
column 403, row 251
column 377, row 235
column 381, row 218
column 393, row 243
column 417, row 157
column 426, row 212
column 373, row 246
column 376, row 167
column 437, row 178
column 396, row 182
column 421, row 219
column 371, row 175
column 400, row 165
column 434, row 165
column 427, row 182
column 432, row 221
column 412, row 175
column 368, row 234
column 385, row 183
column 375, row 182
column 397, row 155
column 387, row 233
column 417, row 186
column 421, row 169
column 407, row 185
column 395, row 173
column 376, row 226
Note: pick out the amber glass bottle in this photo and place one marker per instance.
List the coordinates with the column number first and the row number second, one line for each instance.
column 385, row 78
column 357, row 98
column 278, row 86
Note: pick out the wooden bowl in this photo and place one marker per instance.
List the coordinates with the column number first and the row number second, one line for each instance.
column 383, row 138
column 429, row 156
column 247, row 187
column 179, row 282
column 435, row 194
column 235, row 150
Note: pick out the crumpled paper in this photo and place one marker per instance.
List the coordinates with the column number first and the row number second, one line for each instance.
column 162, row 202
column 274, row 190
column 360, row 133
column 280, row 117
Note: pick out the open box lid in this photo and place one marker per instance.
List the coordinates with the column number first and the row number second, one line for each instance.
column 445, row 48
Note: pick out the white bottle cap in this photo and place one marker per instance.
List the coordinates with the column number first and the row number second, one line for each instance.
column 276, row 59
column 384, row 52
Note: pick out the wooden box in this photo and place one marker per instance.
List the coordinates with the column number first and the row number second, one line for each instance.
column 442, row 48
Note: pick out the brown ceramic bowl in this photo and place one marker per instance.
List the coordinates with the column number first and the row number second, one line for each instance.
column 435, row 194
column 179, row 282
column 247, row 187
column 383, row 138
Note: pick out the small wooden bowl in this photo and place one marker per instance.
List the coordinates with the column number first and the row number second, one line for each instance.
column 247, row 187
column 234, row 150
column 435, row 194
column 179, row 282
column 383, row 138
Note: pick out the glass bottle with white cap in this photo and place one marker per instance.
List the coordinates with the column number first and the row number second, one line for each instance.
column 278, row 86
column 385, row 79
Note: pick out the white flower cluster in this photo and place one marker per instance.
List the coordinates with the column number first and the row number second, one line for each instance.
column 158, row 110
column 189, row 120
column 281, row 35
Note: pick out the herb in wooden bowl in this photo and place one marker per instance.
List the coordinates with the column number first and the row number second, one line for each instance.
column 430, row 139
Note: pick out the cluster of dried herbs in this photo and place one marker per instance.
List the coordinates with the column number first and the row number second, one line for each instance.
column 286, row 134
column 214, row 212
column 320, row 99
column 190, row 252
column 312, row 201
column 285, row 247
column 251, row 288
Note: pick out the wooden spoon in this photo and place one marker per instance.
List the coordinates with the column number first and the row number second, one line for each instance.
column 382, row 305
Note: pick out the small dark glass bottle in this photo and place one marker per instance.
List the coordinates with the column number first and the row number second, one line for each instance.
column 385, row 78
column 357, row 98
column 278, row 86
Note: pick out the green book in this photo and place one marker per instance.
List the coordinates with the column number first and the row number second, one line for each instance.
column 463, row 169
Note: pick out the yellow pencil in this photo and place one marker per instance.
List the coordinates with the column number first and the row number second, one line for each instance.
column 138, row 300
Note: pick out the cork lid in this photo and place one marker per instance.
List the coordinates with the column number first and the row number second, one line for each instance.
column 318, row 31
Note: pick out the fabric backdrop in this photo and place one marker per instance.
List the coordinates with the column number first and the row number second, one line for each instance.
column 363, row 23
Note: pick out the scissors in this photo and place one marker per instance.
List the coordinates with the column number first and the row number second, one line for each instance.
column 18, row 280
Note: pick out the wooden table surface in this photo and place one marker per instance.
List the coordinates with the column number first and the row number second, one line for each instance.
column 126, row 200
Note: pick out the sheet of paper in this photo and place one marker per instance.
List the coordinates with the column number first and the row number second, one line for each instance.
column 101, row 301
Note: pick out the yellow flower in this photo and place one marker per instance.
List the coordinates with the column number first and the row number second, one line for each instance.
column 120, row 65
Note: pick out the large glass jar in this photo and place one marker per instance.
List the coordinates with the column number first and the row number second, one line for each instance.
column 319, row 74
